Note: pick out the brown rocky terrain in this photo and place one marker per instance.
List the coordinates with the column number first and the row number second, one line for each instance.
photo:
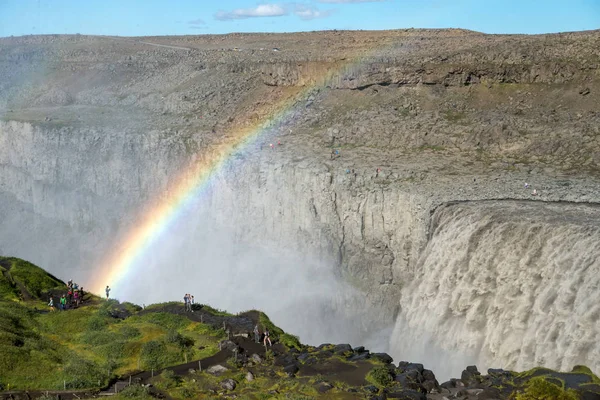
column 94, row 128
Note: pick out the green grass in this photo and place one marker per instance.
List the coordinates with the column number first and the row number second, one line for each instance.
column 539, row 388
column 34, row 279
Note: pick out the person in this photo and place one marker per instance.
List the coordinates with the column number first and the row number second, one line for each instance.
column 51, row 304
column 267, row 338
column 76, row 297
column 186, row 300
column 526, row 185
column 107, row 290
column 256, row 334
column 534, row 193
column 63, row 302
column 191, row 303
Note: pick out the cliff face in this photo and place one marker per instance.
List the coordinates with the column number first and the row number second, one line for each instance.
column 93, row 130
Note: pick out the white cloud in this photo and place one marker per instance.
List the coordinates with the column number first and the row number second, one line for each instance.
column 198, row 21
column 262, row 10
column 307, row 12
column 347, row 1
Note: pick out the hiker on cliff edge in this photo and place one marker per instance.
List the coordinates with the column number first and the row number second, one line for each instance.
column 267, row 338
column 256, row 334
column 107, row 290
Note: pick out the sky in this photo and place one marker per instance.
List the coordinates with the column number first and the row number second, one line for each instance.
column 195, row 17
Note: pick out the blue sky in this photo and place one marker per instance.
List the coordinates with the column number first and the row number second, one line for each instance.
column 193, row 17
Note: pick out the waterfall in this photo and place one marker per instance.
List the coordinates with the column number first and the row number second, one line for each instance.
column 505, row 284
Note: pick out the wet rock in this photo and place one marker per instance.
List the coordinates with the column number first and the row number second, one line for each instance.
column 383, row 357
column 217, row 369
column 256, row 358
column 228, row 384
column 227, row 344
column 406, row 366
column 291, row 369
column 358, row 357
column 407, row 395
column 342, row 348
column 372, row 389
column 470, row 375
column 324, row 387
column 249, row 376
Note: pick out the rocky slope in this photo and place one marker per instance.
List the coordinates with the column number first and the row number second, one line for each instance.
column 94, row 128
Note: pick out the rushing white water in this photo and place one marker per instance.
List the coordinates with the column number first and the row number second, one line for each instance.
column 505, row 284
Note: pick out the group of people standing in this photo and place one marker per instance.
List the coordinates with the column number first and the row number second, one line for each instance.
column 188, row 301
column 72, row 299
column 266, row 336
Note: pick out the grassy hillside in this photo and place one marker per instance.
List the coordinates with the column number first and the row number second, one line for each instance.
column 107, row 347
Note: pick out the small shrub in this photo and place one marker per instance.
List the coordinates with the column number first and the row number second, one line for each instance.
column 179, row 340
column 96, row 323
column 129, row 332
column 170, row 379
column 153, row 354
column 541, row 389
column 290, row 341
column 135, row 392
column 380, row 376
column 81, row 373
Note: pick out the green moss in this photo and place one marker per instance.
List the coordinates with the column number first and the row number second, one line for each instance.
column 33, row 279
column 539, row 388
column 380, row 376
column 291, row 341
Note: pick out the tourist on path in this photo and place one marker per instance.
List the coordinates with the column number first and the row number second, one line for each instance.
column 51, row 304
column 256, row 334
column 267, row 338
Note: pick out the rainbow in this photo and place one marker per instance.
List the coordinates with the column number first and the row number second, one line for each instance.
column 190, row 184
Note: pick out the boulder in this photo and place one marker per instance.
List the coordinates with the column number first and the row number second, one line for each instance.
column 342, row 348
column 372, row 389
column 216, row 369
column 413, row 366
column 249, row 376
column 228, row 384
column 407, row 381
column 256, row 358
column 383, row 357
column 323, row 387
column 470, row 375
column 360, row 349
column 428, row 375
column 303, row 357
column 407, row 395
column 430, row 386
column 358, row 357
column 291, row 369
column 227, row 344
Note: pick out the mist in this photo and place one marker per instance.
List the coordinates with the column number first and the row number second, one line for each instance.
column 220, row 267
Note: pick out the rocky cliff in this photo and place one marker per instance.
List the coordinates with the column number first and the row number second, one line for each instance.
column 95, row 128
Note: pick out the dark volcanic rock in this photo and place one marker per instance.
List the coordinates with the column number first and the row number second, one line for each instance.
column 324, row 387
column 342, row 348
column 407, row 395
column 383, row 357
column 470, row 375
column 371, row 388
column 360, row 349
column 291, row 369
column 228, row 384
column 358, row 357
